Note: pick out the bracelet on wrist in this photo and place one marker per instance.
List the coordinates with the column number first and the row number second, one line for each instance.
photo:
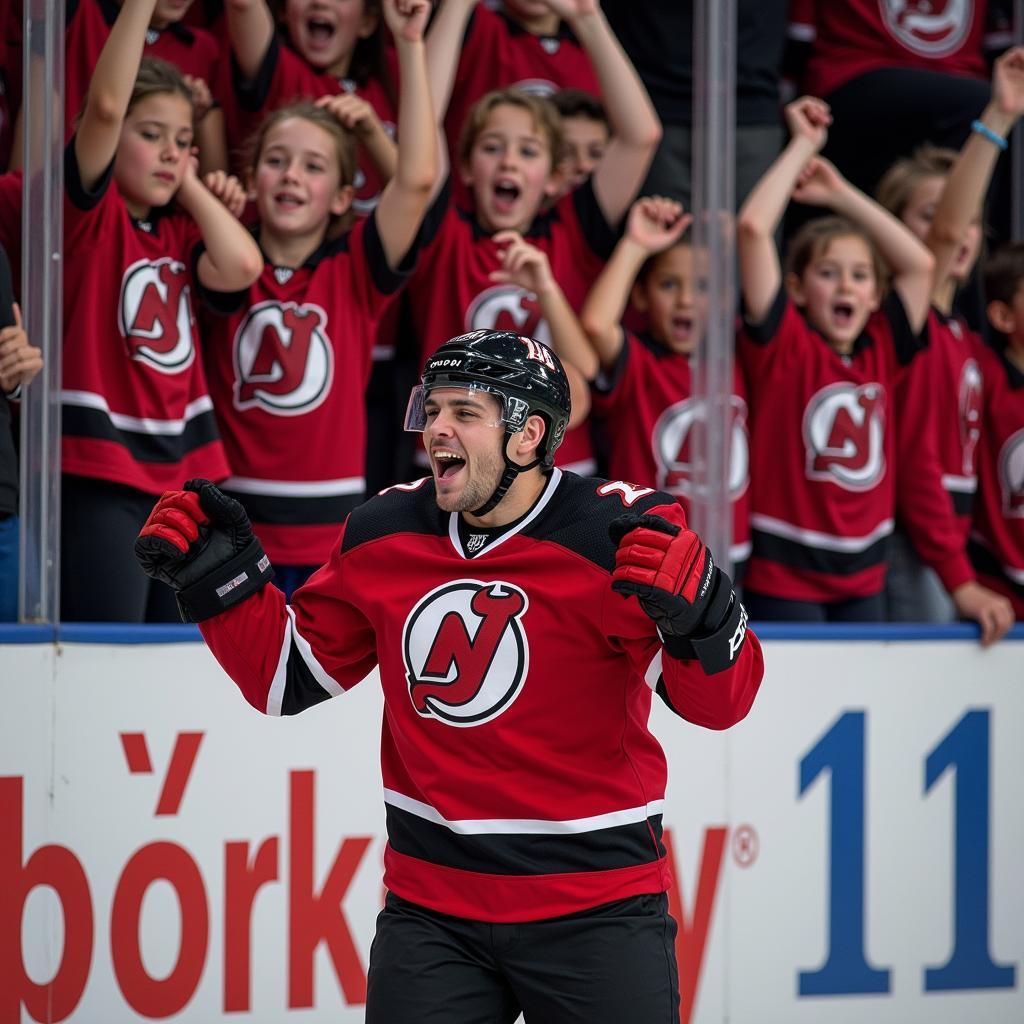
column 993, row 136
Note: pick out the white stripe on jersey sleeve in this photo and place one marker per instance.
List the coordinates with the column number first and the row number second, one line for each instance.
column 275, row 697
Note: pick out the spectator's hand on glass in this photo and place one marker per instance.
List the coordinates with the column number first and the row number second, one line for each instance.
column 809, row 118
column 819, row 183
column 656, row 223
column 19, row 361
column 1008, row 82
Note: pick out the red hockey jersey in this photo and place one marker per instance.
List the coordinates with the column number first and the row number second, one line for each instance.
column 521, row 780
column 283, row 77
column 194, row 51
column 939, row 418
column 852, row 38
column 822, row 448
column 450, row 291
column 647, row 401
column 135, row 405
column 288, row 368
column 997, row 539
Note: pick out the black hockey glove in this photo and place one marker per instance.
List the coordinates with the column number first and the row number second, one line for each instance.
column 200, row 543
column 677, row 583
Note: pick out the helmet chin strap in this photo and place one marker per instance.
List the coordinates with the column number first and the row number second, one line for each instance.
column 512, row 470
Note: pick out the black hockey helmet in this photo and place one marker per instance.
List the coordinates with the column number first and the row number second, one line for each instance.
column 524, row 374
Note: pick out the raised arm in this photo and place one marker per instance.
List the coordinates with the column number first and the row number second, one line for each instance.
column 964, row 194
column 654, row 225
column 251, row 30
column 444, row 47
column 406, row 196
column 907, row 257
column 635, row 128
column 110, row 90
column 232, row 259
column 808, row 119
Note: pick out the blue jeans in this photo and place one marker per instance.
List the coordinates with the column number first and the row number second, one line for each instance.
column 9, row 569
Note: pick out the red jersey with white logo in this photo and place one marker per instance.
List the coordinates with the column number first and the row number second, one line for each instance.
column 135, row 406
column 498, row 53
column 521, row 780
column 194, row 51
column 857, row 36
column 288, row 369
column 450, row 292
column 822, row 448
column 939, row 417
column 284, row 77
column 653, row 426
column 997, row 539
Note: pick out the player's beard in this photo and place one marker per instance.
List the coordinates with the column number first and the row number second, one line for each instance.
column 483, row 476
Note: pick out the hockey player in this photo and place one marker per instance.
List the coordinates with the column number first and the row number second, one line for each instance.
column 523, row 788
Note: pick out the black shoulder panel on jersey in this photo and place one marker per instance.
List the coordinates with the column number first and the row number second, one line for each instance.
column 404, row 508
column 580, row 512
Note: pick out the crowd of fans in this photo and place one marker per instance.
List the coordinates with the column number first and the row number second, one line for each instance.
column 276, row 209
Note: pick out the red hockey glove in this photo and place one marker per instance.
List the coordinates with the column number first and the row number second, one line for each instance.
column 200, row 543
column 677, row 583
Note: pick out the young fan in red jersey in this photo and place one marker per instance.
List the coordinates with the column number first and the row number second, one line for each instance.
column 997, row 537
column 508, row 156
column 335, row 48
column 289, row 360
column 939, row 196
column 642, row 387
column 532, row 45
column 140, row 230
column 523, row 787
column 822, row 351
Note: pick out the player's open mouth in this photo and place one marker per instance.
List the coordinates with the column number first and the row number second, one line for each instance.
column 842, row 313
column 447, row 463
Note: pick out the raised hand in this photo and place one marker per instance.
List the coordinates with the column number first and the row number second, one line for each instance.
column 202, row 99
column 809, row 118
column 522, row 264
column 352, row 112
column 19, row 361
column 407, row 19
column 1008, row 82
column 228, row 189
column 819, row 183
column 656, row 223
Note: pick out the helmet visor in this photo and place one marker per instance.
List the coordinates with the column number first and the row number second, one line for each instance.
column 479, row 398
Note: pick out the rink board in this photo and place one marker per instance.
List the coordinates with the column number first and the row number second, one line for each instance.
column 852, row 851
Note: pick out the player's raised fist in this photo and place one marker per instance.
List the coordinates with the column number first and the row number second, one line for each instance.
column 200, row 543
column 672, row 574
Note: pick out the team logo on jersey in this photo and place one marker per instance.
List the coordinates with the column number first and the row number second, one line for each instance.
column 465, row 651
column 932, row 28
column 1011, row 475
column 679, row 439
column 508, row 308
column 969, row 403
column 284, row 362
column 844, row 434
column 155, row 315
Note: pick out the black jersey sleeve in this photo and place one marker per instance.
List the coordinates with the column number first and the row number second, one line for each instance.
column 601, row 236
column 906, row 342
column 252, row 94
column 762, row 333
column 81, row 197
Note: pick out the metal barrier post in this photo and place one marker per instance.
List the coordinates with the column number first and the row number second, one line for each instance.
column 42, row 221
column 714, row 170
